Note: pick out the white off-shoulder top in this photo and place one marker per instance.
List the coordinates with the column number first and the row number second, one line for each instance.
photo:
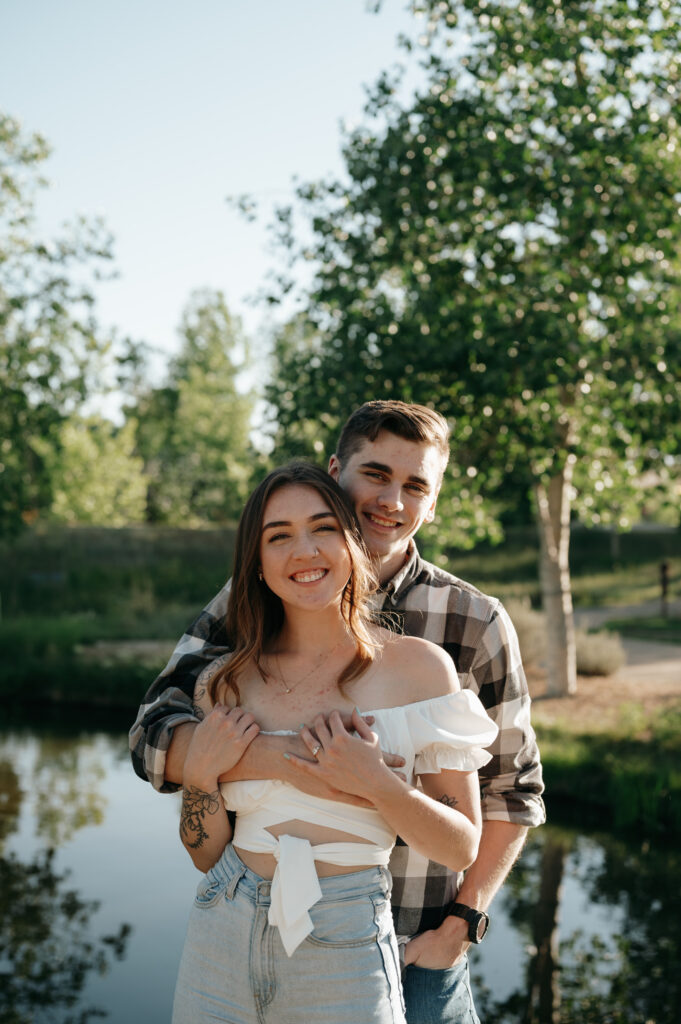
column 447, row 732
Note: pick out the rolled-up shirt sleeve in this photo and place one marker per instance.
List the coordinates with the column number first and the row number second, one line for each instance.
column 511, row 783
column 169, row 700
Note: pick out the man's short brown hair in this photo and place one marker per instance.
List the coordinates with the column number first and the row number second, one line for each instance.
column 412, row 422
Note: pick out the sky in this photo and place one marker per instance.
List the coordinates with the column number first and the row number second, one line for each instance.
column 158, row 110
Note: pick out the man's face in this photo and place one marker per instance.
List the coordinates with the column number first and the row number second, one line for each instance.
column 393, row 484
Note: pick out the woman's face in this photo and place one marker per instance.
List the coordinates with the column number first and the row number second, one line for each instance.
column 303, row 554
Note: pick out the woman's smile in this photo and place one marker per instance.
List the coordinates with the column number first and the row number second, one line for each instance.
column 309, row 575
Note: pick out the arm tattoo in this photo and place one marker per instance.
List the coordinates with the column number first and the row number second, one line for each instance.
column 448, row 801
column 196, row 804
column 199, row 694
column 201, row 701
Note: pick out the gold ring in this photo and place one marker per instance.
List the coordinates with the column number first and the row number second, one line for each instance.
column 315, row 750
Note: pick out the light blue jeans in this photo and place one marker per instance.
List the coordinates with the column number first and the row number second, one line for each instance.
column 234, row 968
column 439, row 997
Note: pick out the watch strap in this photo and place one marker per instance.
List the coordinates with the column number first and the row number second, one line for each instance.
column 473, row 917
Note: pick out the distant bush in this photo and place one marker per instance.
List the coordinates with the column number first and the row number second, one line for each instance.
column 599, row 654
column 530, row 626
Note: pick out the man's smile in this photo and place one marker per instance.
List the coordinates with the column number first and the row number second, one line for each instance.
column 381, row 521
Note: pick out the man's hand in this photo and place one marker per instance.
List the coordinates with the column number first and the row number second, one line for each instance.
column 346, row 719
column 264, row 759
column 352, row 757
column 217, row 744
column 443, row 947
column 393, row 761
column 315, row 786
column 440, row 948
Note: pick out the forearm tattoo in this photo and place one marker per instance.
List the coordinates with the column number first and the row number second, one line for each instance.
column 199, row 695
column 448, row 801
column 196, row 805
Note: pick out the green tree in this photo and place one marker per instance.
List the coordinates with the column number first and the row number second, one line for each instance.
column 193, row 433
column 51, row 351
column 96, row 476
column 506, row 248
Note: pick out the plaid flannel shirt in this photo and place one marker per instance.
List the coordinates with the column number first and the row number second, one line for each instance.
column 423, row 601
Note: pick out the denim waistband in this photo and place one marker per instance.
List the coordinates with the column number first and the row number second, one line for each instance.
column 231, row 870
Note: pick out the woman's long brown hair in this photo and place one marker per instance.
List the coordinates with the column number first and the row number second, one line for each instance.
column 255, row 615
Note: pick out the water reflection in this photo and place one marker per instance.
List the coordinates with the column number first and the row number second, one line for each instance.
column 65, row 783
column 95, row 891
column 600, row 921
column 45, row 948
column 10, row 799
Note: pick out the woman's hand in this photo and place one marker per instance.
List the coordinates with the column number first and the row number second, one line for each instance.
column 217, row 744
column 346, row 762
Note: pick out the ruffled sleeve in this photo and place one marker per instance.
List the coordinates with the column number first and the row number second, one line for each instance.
column 450, row 732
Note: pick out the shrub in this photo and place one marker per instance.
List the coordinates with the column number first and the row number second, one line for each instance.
column 599, row 654
column 531, row 629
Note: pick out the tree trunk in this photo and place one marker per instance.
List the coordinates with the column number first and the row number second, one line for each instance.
column 543, row 996
column 553, row 517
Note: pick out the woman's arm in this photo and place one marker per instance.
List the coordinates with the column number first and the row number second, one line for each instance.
column 216, row 745
column 442, row 823
column 459, row 792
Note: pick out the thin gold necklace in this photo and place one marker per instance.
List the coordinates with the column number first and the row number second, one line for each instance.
column 315, row 668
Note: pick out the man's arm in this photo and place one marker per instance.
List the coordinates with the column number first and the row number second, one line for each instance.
column 168, row 702
column 500, row 846
column 511, row 788
column 264, row 758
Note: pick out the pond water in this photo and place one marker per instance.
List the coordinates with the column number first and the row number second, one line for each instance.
column 95, row 891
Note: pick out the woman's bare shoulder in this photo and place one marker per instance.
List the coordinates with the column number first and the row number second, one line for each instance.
column 422, row 669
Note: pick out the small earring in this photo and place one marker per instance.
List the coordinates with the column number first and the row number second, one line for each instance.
column 260, row 575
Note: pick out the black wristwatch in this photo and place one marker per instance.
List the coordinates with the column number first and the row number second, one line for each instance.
column 478, row 920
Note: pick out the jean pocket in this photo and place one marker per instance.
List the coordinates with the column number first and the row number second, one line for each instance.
column 448, row 973
column 339, row 923
column 209, row 890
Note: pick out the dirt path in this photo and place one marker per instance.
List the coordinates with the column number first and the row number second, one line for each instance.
column 592, row 618
column 650, row 681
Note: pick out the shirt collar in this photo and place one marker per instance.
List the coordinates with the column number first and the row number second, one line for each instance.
column 405, row 576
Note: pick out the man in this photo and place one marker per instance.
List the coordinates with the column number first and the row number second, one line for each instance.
column 390, row 459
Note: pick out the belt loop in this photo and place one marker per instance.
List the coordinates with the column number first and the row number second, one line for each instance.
column 234, row 881
column 387, row 880
column 263, row 891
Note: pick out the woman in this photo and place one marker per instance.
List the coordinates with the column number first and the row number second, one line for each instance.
column 292, row 921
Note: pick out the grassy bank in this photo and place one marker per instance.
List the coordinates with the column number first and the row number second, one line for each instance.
column 627, row 777
column 127, row 574
column 76, row 604
column 84, row 658
column 657, row 628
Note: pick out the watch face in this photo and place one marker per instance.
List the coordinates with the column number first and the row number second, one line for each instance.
column 478, row 920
